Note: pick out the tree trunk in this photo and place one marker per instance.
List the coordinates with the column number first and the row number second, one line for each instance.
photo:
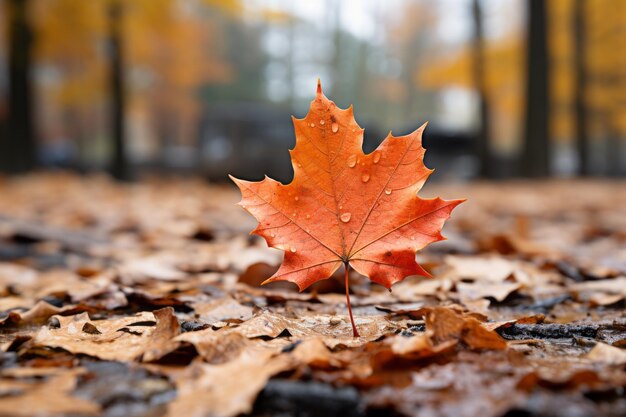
column 483, row 141
column 614, row 150
column 536, row 155
column 18, row 148
column 582, row 136
column 120, row 168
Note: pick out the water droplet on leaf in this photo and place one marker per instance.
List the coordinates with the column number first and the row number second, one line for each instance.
column 334, row 127
column 293, row 250
column 312, row 124
column 387, row 191
column 322, row 122
column 376, row 157
column 365, row 177
column 352, row 161
column 345, row 217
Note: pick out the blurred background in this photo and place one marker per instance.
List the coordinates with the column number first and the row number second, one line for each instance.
column 512, row 88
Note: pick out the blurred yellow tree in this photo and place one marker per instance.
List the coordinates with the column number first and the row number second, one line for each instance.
column 169, row 52
column 605, row 23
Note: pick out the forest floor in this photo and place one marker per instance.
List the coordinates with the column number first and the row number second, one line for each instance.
column 144, row 300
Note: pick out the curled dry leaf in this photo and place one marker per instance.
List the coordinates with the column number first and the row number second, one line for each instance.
column 446, row 325
column 38, row 314
column 161, row 340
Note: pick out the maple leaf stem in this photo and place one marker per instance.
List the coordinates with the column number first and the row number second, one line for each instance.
column 355, row 332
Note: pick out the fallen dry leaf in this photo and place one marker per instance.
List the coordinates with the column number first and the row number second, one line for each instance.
column 226, row 309
column 212, row 390
column 496, row 290
column 612, row 355
column 123, row 339
column 491, row 269
column 50, row 397
column 446, row 325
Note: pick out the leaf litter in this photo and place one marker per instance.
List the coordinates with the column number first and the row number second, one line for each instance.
column 145, row 318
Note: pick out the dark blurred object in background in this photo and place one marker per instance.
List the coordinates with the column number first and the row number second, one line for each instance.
column 247, row 140
column 511, row 87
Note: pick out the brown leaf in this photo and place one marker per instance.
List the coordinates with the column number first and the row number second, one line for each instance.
column 497, row 290
column 216, row 346
column 224, row 309
column 492, row 269
column 40, row 313
column 272, row 324
column 419, row 346
column 49, row 397
column 227, row 389
column 124, row 339
column 447, row 325
column 608, row 354
column 161, row 340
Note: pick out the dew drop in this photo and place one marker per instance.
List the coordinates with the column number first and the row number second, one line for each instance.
column 345, row 217
column 308, row 216
column 294, row 214
column 312, row 125
column 299, row 165
column 296, row 198
column 273, row 234
column 334, row 127
column 387, row 191
column 243, row 206
column 293, row 250
column 322, row 122
column 365, row 177
column 352, row 161
column 376, row 157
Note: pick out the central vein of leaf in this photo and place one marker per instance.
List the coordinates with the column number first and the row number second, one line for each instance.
column 380, row 193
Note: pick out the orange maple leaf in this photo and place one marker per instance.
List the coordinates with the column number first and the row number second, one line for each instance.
column 344, row 207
